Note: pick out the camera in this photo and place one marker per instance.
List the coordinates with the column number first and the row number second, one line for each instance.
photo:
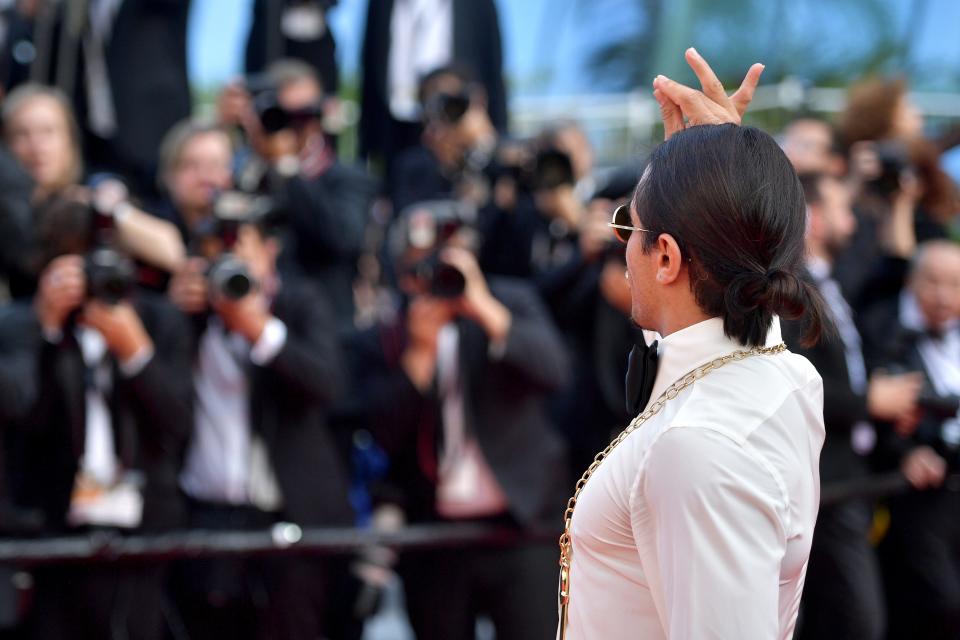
column 552, row 168
column 533, row 167
column 444, row 280
column 428, row 227
column 228, row 275
column 273, row 117
column 894, row 160
column 111, row 275
column 446, row 107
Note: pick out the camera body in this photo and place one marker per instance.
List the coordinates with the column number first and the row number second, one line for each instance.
column 216, row 237
column 273, row 117
column 448, row 108
column 428, row 227
column 534, row 167
column 894, row 160
column 110, row 274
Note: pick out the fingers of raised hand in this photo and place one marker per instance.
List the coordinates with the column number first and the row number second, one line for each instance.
column 711, row 85
column 670, row 113
column 744, row 95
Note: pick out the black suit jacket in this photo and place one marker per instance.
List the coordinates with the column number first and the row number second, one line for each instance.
column 290, row 397
column 896, row 349
column 476, row 44
column 327, row 220
column 842, row 407
column 266, row 43
column 146, row 59
column 151, row 411
column 505, row 410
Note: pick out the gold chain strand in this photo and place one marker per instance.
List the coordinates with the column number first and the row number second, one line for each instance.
column 566, row 540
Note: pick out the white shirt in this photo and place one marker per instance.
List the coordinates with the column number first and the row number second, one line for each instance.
column 226, row 463
column 699, row 524
column 421, row 40
column 467, row 486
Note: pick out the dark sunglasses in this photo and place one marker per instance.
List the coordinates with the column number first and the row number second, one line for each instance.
column 621, row 223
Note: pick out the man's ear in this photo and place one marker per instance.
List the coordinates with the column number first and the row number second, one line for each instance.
column 669, row 259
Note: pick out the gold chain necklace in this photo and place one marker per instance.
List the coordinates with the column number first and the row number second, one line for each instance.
column 566, row 540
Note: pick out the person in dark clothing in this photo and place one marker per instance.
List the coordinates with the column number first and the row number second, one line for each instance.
column 404, row 40
column 325, row 202
column 103, row 415
column 455, row 391
column 843, row 595
column 267, row 368
column 96, row 52
column 919, row 330
column 296, row 29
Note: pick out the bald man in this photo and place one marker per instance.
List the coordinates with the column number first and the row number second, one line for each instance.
column 921, row 553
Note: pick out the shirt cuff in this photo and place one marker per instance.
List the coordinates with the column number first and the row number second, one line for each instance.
column 270, row 343
column 53, row 336
column 136, row 363
column 497, row 350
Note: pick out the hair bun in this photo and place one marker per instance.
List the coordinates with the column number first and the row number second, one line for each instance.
column 776, row 290
column 786, row 294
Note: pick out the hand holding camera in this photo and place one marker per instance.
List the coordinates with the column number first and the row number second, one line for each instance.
column 120, row 327
column 63, row 288
column 477, row 303
column 924, row 468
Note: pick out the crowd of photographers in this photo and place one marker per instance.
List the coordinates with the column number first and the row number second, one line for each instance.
column 244, row 330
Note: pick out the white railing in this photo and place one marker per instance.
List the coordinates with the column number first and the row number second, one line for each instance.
column 623, row 124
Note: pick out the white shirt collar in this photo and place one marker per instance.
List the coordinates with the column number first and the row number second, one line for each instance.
column 698, row 344
column 818, row 268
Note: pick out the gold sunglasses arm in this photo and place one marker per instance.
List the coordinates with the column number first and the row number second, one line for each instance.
column 628, row 228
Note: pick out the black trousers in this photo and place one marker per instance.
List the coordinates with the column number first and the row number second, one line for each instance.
column 447, row 589
column 262, row 598
column 101, row 602
column 921, row 565
column 843, row 595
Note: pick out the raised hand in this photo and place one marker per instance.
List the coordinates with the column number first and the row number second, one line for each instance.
column 681, row 106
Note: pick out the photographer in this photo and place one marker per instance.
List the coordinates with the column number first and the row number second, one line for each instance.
column 195, row 165
column 901, row 195
column 103, row 417
column 455, row 391
column 920, row 331
column 843, row 596
column 266, row 370
column 41, row 132
column 326, row 203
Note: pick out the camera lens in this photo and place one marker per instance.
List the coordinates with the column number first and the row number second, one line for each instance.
column 229, row 277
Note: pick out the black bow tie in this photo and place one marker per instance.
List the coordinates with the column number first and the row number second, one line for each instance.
column 641, row 373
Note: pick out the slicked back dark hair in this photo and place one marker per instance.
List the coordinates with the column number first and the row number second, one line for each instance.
column 732, row 201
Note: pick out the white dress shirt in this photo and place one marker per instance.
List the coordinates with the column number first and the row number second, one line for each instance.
column 467, row 486
column 421, row 40
column 226, row 461
column 699, row 524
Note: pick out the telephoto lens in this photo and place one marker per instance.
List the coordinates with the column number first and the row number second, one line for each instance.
column 228, row 277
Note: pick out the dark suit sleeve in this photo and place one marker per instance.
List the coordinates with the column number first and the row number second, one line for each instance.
column 493, row 72
column 19, row 347
column 161, row 394
column 534, row 348
column 309, row 362
column 842, row 408
column 328, row 215
column 384, row 394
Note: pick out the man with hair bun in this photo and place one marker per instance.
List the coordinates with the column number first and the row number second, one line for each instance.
column 696, row 521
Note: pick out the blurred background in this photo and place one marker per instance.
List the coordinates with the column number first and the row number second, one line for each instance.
column 310, row 310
